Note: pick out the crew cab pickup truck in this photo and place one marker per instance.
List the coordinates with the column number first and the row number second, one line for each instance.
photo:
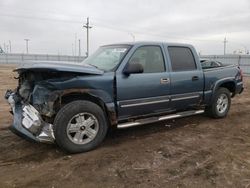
column 120, row 85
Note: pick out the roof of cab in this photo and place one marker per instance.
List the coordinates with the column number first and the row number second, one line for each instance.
column 149, row 43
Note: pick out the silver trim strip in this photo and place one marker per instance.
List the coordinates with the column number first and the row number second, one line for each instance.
column 157, row 98
column 169, row 117
column 151, row 98
column 144, row 103
column 199, row 111
column 183, row 98
column 125, row 125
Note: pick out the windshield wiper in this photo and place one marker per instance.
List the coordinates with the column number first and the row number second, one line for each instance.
column 96, row 67
column 92, row 65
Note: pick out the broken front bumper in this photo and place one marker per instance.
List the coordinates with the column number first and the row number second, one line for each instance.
column 27, row 122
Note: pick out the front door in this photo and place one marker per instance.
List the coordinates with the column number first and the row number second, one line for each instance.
column 144, row 93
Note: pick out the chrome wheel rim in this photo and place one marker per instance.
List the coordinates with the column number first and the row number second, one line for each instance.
column 82, row 128
column 222, row 103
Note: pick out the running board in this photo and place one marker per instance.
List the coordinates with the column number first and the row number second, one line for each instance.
column 161, row 118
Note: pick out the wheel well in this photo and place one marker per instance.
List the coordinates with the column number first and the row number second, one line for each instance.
column 230, row 86
column 85, row 96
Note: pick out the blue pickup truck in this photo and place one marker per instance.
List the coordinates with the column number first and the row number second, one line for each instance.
column 119, row 86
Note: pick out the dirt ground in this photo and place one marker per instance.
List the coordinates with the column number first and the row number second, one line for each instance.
column 190, row 152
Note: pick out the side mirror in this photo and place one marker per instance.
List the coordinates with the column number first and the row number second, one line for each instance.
column 133, row 68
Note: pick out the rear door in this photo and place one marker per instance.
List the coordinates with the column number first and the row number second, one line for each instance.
column 144, row 93
column 186, row 77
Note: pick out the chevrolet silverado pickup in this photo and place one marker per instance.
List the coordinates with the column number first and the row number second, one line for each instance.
column 119, row 86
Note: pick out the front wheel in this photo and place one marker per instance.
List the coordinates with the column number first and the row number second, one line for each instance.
column 220, row 104
column 80, row 126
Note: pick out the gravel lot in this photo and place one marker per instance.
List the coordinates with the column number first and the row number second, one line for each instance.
column 190, row 152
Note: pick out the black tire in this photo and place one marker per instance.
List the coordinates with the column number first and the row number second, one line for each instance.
column 213, row 110
column 64, row 117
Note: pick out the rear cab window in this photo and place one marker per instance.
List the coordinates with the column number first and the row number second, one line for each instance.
column 182, row 59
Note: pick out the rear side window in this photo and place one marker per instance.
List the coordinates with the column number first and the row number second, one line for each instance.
column 182, row 59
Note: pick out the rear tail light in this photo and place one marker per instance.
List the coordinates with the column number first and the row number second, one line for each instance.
column 240, row 75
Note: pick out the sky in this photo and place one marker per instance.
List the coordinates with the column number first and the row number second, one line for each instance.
column 56, row 26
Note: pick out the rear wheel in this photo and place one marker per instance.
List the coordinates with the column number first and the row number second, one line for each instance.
column 80, row 126
column 220, row 104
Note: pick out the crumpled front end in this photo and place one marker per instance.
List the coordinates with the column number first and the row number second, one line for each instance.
column 28, row 122
column 40, row 94
column 33, row 103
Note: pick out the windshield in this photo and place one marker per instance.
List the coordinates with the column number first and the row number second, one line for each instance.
column 107, row 57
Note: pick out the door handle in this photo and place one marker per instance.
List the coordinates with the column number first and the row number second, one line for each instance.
column 194, row 78
column 165, row 80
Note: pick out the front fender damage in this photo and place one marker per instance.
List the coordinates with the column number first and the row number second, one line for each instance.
column 43, row 99
column 31, row 121
column 39, row 96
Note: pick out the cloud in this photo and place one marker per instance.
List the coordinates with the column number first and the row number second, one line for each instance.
column 51, row 25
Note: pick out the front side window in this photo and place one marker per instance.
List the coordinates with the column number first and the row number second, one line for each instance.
column 182, row 59
column 107, row 57
column 150, row 57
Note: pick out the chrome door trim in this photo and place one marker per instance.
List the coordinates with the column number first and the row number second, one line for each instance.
column 156, row 100
column 144, row 103
column 184, row 98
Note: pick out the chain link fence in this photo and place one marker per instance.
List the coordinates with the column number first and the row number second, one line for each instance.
column 241, row 60
column 19, row 58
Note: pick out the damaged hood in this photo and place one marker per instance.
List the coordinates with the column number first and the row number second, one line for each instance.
column 59, row 66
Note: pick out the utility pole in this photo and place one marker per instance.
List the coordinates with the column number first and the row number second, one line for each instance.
column 79, row 42
column 27, row 45
column 4, row 47
column 73, row 49
column 10, row 45
column 75, row 43
column 225, row 45
column 87, row 27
